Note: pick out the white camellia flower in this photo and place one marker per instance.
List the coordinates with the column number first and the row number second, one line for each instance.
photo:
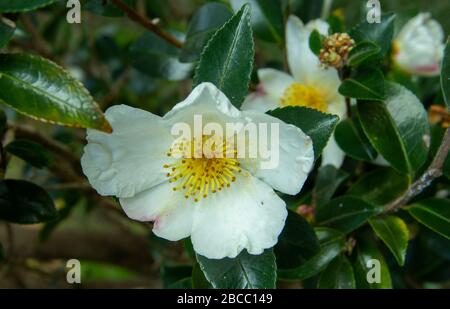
column 310, row 84
column 419, row 46
column 226, row 204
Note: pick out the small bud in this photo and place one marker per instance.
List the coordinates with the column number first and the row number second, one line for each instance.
column 335, row 50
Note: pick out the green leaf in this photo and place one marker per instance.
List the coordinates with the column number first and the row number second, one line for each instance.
column 338, row 275
column 433, row 213
column 315, row 42
column 246, row 271
column 317, row 125
column 205, row 22
column 345, row 213
column 42, row 90
column 366, row 252
column 329, row 178
column 172, row 274
column 380, row 186
column 198, row 278
column 30, row 152
column 227, row 59
column 397, row 128
column 156, row 58
column 363, row 53
column 104, row 8
column 25, row 203
column 297, row 243
column 267, row 18
column 445, row 74
column 394, row 233
column 365, row 84
column 7, row 28
column 331, row 242
column 182, row 284
column 380, row 34
column 8, row 6
column 351, row 139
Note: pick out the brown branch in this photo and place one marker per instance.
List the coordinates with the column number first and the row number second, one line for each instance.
column 434, row 171
column 133, row 15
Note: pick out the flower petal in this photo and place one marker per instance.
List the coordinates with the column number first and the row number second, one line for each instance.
column 332, row 154
column 260, row 102
column 274, row 82
column 248, row 215
column 171, row 212
column 130, row 159
column 288, row 172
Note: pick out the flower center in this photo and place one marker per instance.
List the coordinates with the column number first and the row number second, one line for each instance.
column 301, row 95
column 203, row 167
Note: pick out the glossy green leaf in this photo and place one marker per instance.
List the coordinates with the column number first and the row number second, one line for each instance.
column 30, row 152
column 7, row 28
column 397, row 128
column 182, row 284
column 246, row 271
column 267, row 18
column 366, row 84
column 380, row 186
column 369, row 261
column 315, row 41
column 378, row 33
column 42, row 90
column 25, row 203
column 329, row 178
column 297, row 242
column 352, row 140
column 338, row 275
column 227, row 59
column 445, row 74
column 12, row 6
column 156, row 58
column 317, row 125
column 394, row 233
column 331, row 243
column 345, row 213
column 198, row 278
column 205, row 22
column 362, row 53
column 173, row 274
column 433, row 213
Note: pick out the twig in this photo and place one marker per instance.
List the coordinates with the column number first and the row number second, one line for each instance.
column 434, row 171
column 133, row 15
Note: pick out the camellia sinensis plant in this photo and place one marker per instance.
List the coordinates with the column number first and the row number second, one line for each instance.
column 345, row 183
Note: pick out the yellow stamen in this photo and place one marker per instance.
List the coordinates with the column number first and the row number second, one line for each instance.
column 301, row 95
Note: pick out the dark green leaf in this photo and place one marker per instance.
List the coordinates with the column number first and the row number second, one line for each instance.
column 7, row 28
column 338, row 275
column 198, row 278
column 104, row 8
column 329, row 178
column 317, row 125
column 297, row 243
column 331, row 242
column 345, row 213
column 30, row 152
column 394, row 233
column 315, row 42
column 445, row 74
column 362, row 53
column 25, row 203
column 367, row 253
column 351, row 139
column 366, row 84
column 205, row 22
column 173, row 274
column 246, row 271
column 12, row 6
column 182, row 284
column 227, row 59
column 380, row 34
column 156, row 58
column 397, row 128
column 42, row 90
column 380, row 186
column 267, row 18
column 433, row 213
